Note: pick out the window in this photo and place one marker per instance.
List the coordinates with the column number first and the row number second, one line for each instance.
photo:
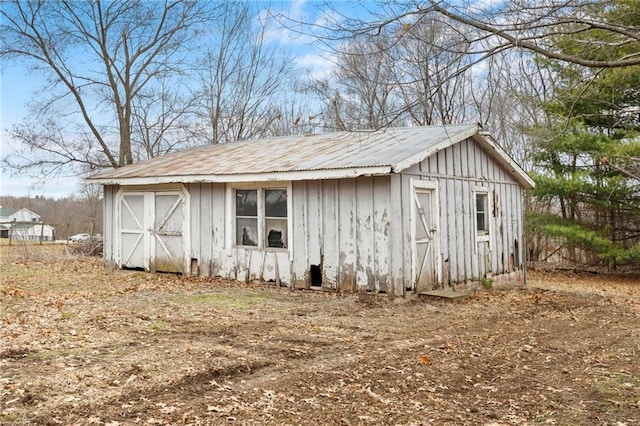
column 275, row 217
column 246, row 217
column 483, row 213
column 261, row 217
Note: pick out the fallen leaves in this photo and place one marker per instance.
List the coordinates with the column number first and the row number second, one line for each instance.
column 136, row 348
column 425, row 360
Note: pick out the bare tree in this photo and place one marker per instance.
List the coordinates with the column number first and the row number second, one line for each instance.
column 433, row 73
column 98, row 58
column 439, row 46
column 530, row 25
column 162, row 119
column 366, row 72
column 90, row 206
column 361, row 92
column 243, row 80
column 508, row 95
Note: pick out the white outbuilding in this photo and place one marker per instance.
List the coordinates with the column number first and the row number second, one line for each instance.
column 400, row 210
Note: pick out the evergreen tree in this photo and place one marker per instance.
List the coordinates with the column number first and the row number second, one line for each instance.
column 589, row 158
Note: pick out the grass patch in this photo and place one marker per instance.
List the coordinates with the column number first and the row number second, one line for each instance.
column 158, row 325
column 68, row 314
column 487, row 283
column 239, row 300
column 55, row 354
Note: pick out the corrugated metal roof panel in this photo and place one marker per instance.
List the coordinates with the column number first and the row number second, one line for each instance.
column 344, row 150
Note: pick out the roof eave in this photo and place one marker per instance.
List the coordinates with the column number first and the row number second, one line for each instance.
column 284, row 176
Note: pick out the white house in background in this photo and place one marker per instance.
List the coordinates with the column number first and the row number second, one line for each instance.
column 399, row 211
column 18, row 215
column 23, row 224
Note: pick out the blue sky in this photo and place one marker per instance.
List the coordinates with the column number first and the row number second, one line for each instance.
column 16, row 88
column 18, row 85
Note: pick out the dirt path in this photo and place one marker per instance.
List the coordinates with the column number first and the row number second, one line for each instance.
column 83, row 346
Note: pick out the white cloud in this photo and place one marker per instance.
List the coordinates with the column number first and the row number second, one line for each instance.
column 317, row 65
column 287, row 25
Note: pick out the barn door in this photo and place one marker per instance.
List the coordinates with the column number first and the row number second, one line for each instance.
column 424, row 237
column 152, row 231
column 131, row 246
column 167, row 233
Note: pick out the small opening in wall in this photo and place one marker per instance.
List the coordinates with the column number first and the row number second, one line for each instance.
column 132, row 268
column 316, row 276
column 194, row 267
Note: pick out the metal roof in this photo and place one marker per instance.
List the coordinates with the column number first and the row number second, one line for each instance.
column 330, row 155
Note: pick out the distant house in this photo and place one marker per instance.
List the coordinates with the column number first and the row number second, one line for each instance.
column 398, row 211
column 4, row 230
column 23, row 224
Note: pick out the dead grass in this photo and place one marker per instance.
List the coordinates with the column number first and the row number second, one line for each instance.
column 80, row 345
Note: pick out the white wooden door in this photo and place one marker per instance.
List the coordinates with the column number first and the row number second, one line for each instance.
column 131, row 244
column 167, row 241
column 424, row 239
column 152, row 231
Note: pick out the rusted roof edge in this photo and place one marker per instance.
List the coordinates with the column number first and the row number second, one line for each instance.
column 249, row 177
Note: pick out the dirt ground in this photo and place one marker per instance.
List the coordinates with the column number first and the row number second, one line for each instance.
column 82, row 345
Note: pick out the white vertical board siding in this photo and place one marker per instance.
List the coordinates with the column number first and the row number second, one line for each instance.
column 396, row 230
column 314, row 239
column 346, row 230
column 207, row 228
column 457, row 170
column 449, row 222
column 109, row 225
column 365, row 278
column 300, row 267
column 381, row 228
column 458, row 216
column 342, row 226
column 330, row 234
column 465, row 208
column 215, row 230
column 196, row 228
column 518, row 226
column 473, row 154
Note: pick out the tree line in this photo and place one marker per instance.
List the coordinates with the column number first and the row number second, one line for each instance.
column 555, row 83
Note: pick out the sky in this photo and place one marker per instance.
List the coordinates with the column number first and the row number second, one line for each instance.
column 17, row 87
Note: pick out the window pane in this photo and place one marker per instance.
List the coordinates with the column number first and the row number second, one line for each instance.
column 480, row 198
column 246, row 202
column 481, row 212
column 246, row 232
column 481, row 222
column 275, row 202
column 276, row 230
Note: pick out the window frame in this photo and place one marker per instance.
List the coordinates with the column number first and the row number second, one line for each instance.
column 245, row 217
column 262, row 218
column 482, row 235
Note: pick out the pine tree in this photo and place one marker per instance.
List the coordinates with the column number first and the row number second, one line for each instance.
column 589, row 158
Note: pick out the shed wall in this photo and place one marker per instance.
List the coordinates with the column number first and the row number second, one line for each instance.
column 340, row 227
column 457, row 170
